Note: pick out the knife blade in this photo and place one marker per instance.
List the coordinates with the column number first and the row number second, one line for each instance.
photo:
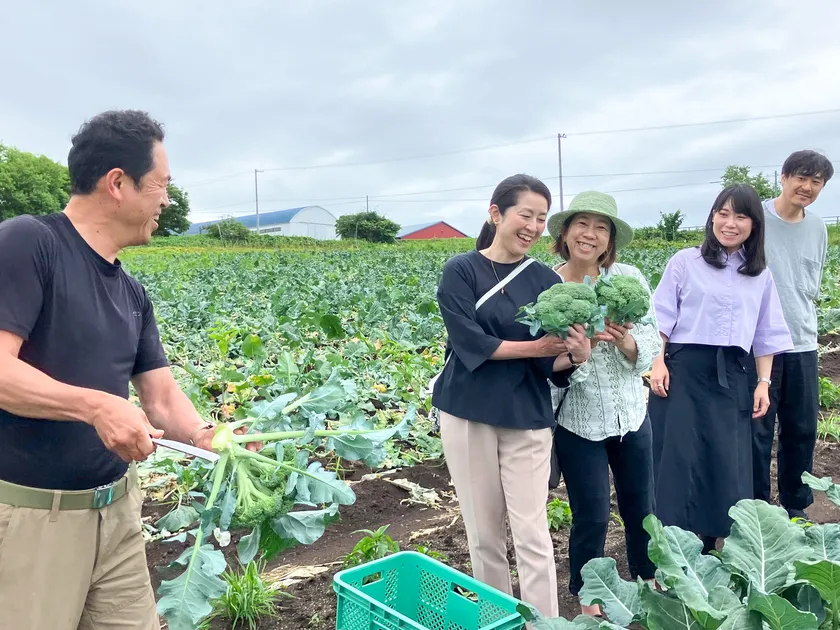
column 189, row 449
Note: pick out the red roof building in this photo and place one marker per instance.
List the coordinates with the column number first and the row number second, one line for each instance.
column 438, row 229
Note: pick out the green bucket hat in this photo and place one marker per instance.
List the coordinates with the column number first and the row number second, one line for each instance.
column 593, row 202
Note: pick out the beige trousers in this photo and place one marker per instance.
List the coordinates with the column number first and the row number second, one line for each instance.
column 497, row 473
column 84, row 571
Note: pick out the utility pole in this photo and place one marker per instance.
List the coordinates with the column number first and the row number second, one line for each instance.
column 560, row 137
column 257, row 198
column 367, row 204
column 775, row 181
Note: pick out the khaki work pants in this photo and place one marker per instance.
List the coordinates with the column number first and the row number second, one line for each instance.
column 75, row 569
column 497, row 473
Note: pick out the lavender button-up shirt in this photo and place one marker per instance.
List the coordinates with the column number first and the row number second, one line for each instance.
column 699, row 304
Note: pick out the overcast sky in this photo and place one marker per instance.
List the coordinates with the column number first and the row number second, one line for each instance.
column 410, row 86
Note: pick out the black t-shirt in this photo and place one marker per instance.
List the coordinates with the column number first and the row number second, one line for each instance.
column 512, row 393
column 85, row 322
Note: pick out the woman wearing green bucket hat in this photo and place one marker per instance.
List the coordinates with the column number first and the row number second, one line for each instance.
column 602, row 421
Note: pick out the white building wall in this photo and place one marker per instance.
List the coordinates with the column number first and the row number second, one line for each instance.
column 314, row 222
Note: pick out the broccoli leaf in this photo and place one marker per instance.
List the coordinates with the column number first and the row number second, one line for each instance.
column 327, row 397
column 762, row 544
column 368, row 448
column 602, row 585
column 248, row 546
column 228, row 506
column 779, row 613
column 185, row 601
column 318, row 486
column 304, row 527
column 182, row 516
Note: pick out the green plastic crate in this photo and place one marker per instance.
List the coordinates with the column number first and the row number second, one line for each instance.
column 411, row 591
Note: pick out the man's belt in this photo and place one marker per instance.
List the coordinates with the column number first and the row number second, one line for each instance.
column 41, row 499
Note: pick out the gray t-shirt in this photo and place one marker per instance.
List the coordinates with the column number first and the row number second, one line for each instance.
column 796, row 255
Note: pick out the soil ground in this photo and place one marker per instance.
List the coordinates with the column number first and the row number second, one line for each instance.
column 379, row 503
column 830, row 361
column 439, row 529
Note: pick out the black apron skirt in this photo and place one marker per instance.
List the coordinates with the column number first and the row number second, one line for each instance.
column 702, row 438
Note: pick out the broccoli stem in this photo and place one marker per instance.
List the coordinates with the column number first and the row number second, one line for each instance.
column 245, row 487
column 293, row 435
column 218, row 478
column 249, row 488
column 241, row 452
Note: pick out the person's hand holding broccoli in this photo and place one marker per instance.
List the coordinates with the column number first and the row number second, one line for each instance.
column 562, row 306
column 625, row 302
column 604, row 311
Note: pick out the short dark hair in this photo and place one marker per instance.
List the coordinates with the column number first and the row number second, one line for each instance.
column 808, row 163
column 114, row 139
column 745, row 200
column 505, row 196
column 559, row 247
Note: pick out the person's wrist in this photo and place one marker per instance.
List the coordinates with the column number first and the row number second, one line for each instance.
column 93, row 401
column 198, row 429
column 578, row 357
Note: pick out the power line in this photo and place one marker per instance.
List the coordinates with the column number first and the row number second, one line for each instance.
column 591, row 175
column 620, row 190
column 349, row 201
column 487, row 147
column 301, row 200
column 356, row 200
column 388, row 196
column 531, row 140
column 220, row 178
column 701, row 124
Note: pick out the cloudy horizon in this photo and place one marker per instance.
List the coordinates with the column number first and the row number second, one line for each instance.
column 424, row 108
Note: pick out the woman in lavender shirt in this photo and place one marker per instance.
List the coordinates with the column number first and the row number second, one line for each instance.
column 712, row 305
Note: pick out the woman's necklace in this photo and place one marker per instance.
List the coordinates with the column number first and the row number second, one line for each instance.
column 497, row 275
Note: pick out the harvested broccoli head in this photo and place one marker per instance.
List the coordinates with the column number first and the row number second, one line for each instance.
column 625, row 298
column 562, row 305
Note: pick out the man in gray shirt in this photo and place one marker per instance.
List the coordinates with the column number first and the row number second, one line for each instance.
column 796, row 242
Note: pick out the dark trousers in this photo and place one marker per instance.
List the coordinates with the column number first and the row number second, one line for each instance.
column 586, row 466
column 794, row 399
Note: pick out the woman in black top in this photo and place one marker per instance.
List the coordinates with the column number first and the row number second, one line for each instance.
column 494, row 398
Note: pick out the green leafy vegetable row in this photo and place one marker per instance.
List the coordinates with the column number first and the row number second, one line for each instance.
column 771, row 573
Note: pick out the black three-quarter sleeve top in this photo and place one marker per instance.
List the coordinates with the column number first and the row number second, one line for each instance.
column 510, row 393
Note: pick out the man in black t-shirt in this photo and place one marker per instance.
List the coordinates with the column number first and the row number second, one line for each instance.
column 75, row 330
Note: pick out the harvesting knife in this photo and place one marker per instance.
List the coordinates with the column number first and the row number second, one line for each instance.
column 210, row 456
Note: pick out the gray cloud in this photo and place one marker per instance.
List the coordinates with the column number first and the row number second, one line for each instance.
column 269, row 85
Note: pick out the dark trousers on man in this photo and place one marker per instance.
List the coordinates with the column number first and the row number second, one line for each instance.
column 794, row 399
column 586, row 466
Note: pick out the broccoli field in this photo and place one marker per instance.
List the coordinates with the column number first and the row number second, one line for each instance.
column 330, row 351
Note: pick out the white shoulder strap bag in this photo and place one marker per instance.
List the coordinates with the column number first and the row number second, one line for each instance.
column 498, row 287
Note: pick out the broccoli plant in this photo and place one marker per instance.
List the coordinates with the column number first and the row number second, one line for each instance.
column 562, row 305
column 624, row 297
column 276, row 493
column 770, row 573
